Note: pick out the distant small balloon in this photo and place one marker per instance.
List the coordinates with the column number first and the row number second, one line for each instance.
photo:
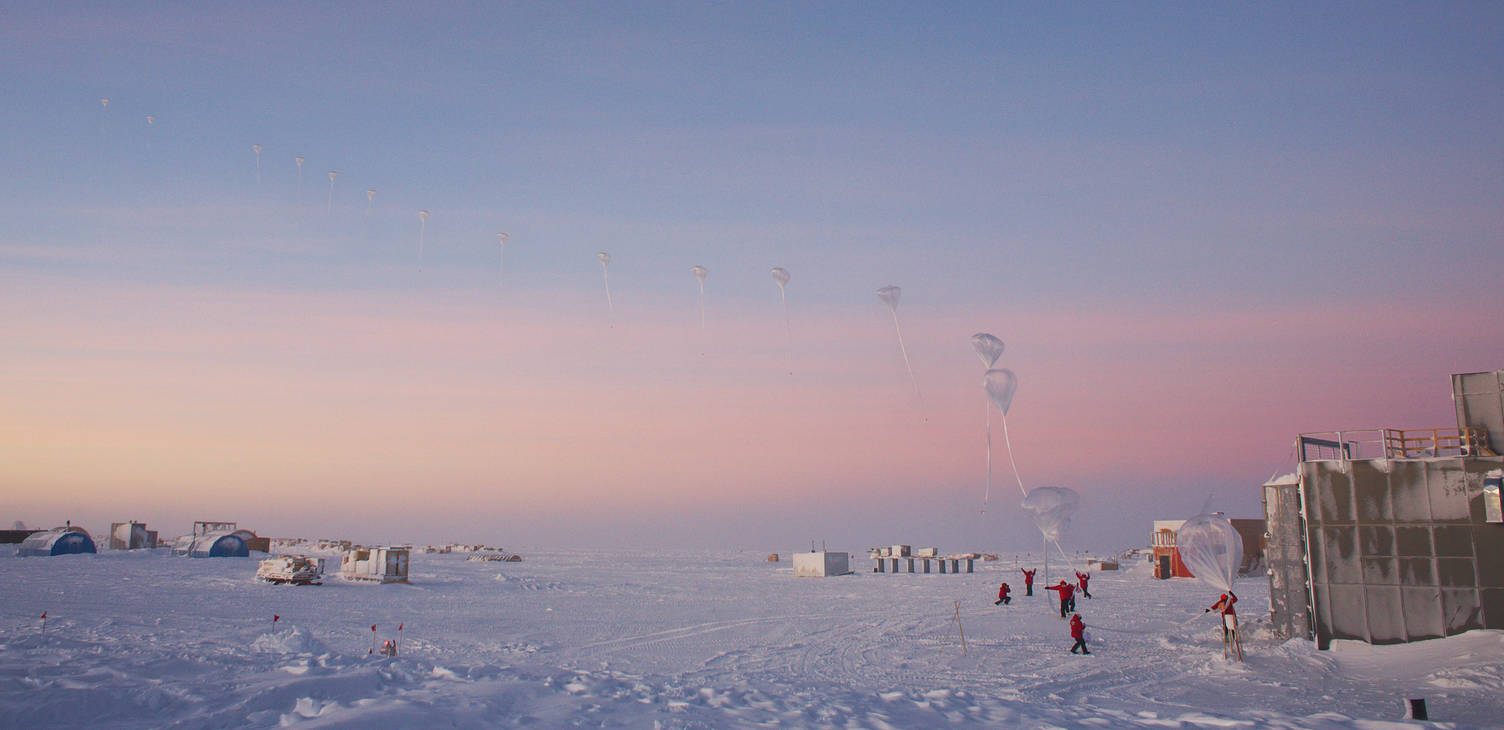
column 700, row 272
column 105, row 102
column 150, row 120
column 370, row 195
column 988, row 348
column 890, row 295
column 780, row 275
column 1000, row 384
column 605, row 258
column 1051, row 509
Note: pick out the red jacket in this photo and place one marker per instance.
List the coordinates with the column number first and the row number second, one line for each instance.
column 1224, row 604
column 1002, row 591
column 1082, row 578
column 1066, row 590
column 1078, row 627
column 1029, row 576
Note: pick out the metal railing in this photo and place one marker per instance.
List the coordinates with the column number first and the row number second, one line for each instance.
column 1389, row 443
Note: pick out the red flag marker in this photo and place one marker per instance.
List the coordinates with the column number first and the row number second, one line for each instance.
column 275, row 619
column 44, row 623
column 372, row 650
column 399, row 637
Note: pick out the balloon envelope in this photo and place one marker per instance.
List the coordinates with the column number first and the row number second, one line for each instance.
column 1211, row 548
column 988, row 348
column 604, row 257
column 780, row 275
column 1051, row 509
column 1000, row 383
column 890, row 295
column 699, row 271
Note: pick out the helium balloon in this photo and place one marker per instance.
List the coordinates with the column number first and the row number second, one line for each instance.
column 329, row 207
column 501, row 262
column 1000, row 383
column 1051, row 509
column 1211, row 548
column 257, row 149
column 605, row 259
column 988, row 348
column 780, row 275
column 890, row 294
column 700, row 273
column 422, row 222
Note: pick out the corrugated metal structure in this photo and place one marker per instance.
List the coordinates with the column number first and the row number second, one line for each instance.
column 131, row 536
column 1399, row 533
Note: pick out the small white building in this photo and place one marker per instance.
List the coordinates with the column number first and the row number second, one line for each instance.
column 131, row 536
column 375, row 565
column 821, row 564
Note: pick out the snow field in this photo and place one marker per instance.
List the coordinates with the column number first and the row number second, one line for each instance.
column 683, row 640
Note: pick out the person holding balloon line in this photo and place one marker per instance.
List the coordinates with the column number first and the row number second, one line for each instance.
column 1230, row 641
column 1067, row 597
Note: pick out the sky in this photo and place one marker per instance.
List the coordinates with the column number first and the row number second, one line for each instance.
column 1200, row 228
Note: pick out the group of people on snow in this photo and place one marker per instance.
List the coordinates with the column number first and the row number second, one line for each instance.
column 1067, row 593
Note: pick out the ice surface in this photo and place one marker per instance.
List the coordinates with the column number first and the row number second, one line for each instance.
column 680, row 640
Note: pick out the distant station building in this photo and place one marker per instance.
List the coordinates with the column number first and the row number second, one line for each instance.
column 821, row 564
column 1387, row 535
column 131, row 536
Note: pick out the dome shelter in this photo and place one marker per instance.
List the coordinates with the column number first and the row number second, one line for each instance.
column 57, row 541
column 216, row 545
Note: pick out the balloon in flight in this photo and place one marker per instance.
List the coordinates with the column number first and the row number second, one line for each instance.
column 988, row 348
column 890, row 295
column 1051, row 509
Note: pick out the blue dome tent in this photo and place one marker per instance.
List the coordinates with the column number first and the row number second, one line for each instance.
column 57, row 541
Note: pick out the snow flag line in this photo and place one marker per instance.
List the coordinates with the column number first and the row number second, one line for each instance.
column 275, row 619
column 44, row 623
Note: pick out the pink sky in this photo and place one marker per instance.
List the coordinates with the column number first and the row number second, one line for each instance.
column 297, row 412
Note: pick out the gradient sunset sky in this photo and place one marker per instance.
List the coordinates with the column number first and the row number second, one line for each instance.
column 1200, row 228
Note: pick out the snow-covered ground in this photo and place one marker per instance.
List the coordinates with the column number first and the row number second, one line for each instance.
column 685, row 640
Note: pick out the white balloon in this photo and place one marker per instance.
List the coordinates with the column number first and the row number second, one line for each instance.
column 605, row 258
column 890, row 295
column 1000, row 384
column 780, row 275
column 700, row 272
column 1051, row 508
column 988, row 348
column 1212, row 548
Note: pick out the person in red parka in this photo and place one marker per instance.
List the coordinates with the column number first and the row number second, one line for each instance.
column 1078, row 632
column 1029, row 581
column 1067, row 597
column 1224, row 605
column 1082, row 578
column 1002, row 595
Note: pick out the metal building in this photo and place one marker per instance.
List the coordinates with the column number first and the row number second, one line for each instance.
column 1389, row 535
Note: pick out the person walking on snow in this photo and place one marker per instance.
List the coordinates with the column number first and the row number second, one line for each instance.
column 1082, row 579
column 1002, row 595
column 1078, row 632
column 1067, row 597
column 1029, row 581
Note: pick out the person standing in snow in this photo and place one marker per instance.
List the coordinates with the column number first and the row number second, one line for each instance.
column 1002, row 595
column 1224, row 605
column 1231, row 644
column 1078, row 632
column 1029, row 581
column 1081, row 579
column 1067, row 597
